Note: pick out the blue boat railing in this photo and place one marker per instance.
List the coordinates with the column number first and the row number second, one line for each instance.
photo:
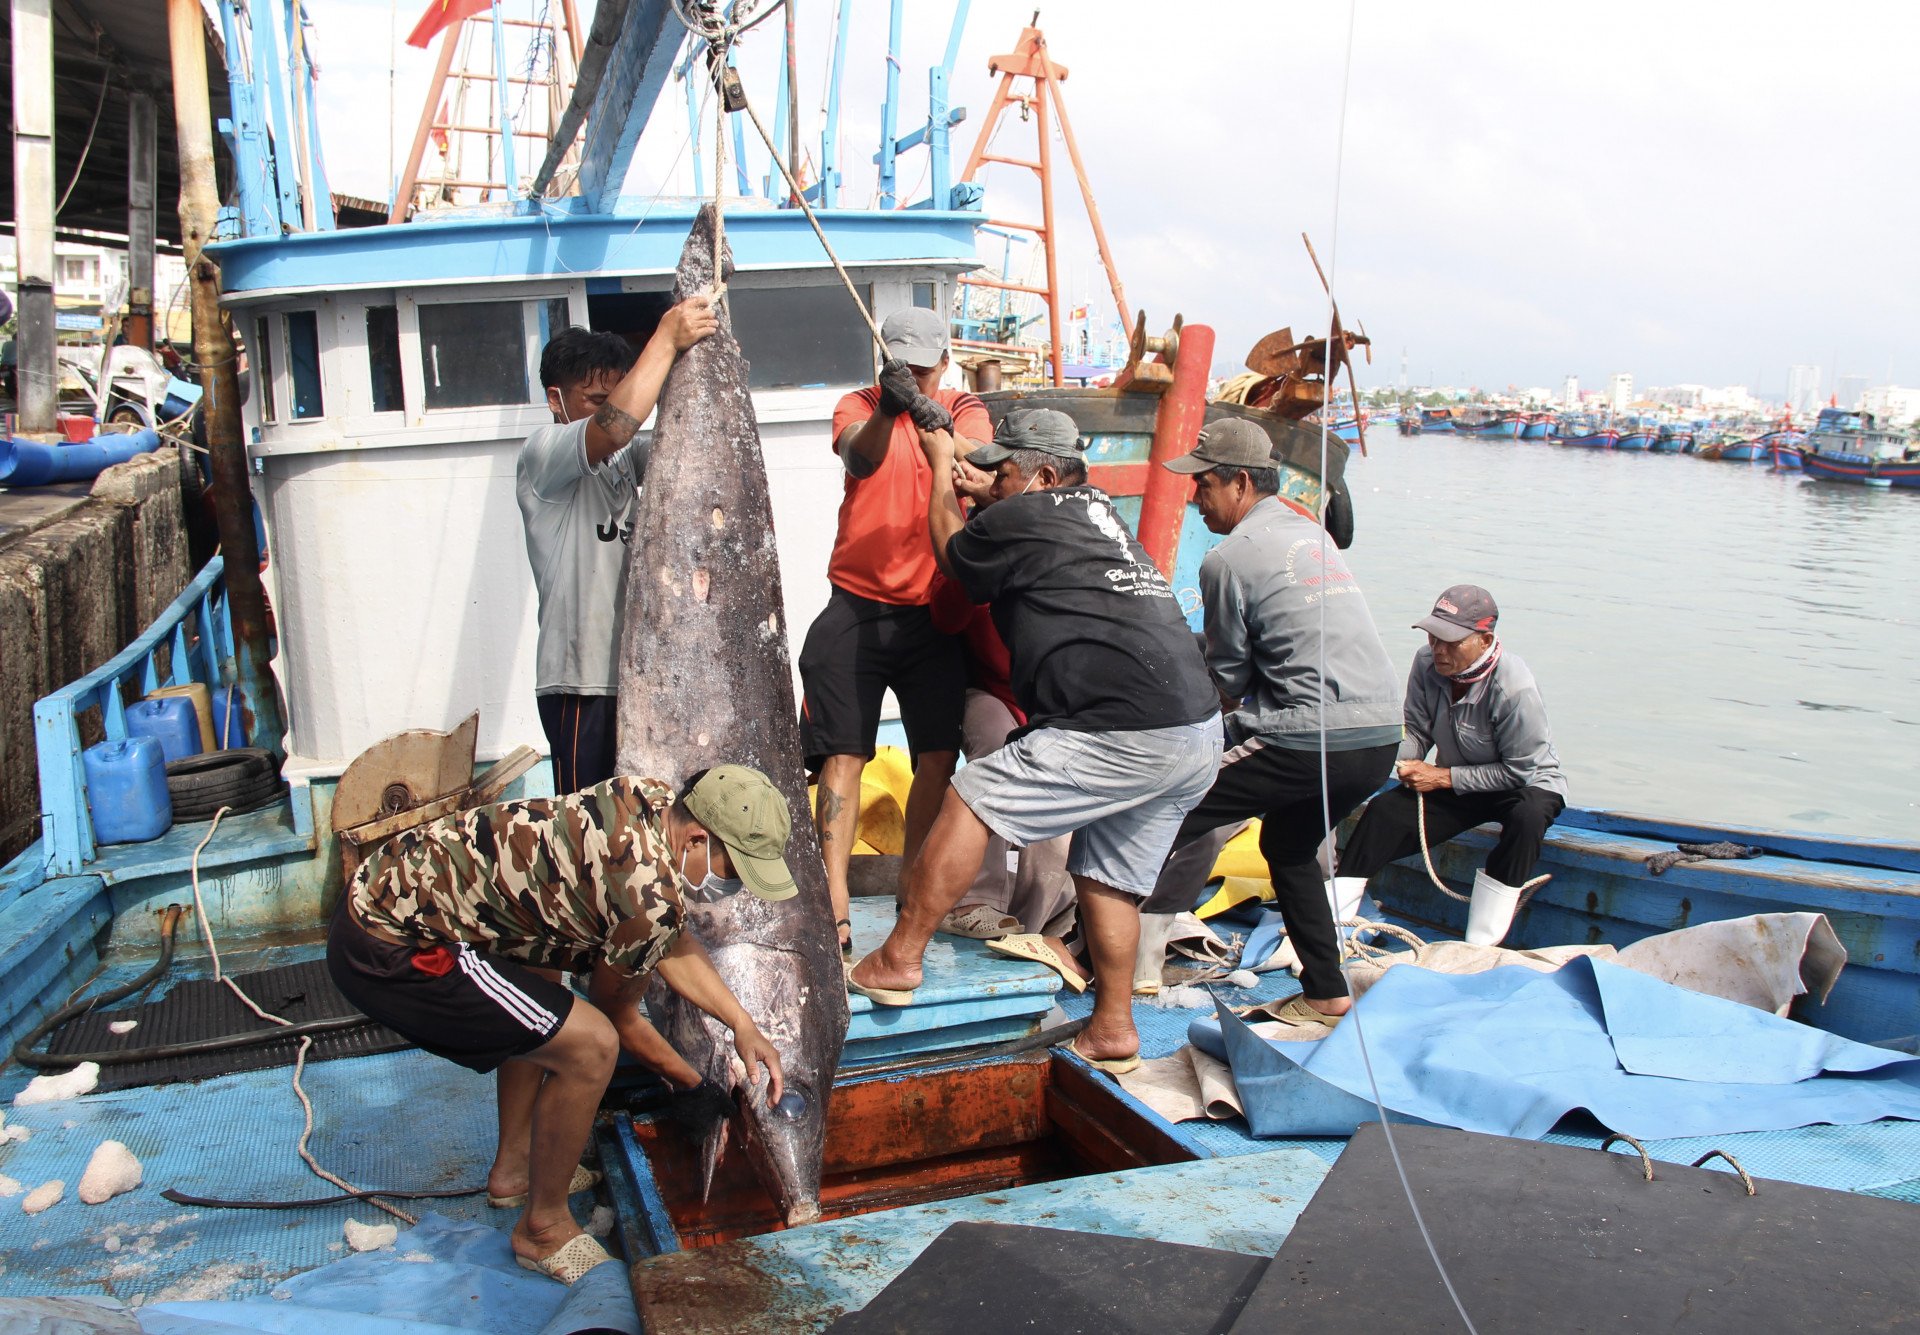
column 195, row 637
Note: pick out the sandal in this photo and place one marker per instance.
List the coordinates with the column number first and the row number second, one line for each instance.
column 979, row 922
column 846, row 946
column 583, row 1178
column 1111, row 1065
column 1297, row 1011
column 578, row 1255
column 880, row 996
column 1032, row 946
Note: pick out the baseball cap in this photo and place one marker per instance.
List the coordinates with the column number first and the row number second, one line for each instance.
column 916, row 336
column 1463, row 610
column 741, row 808
column 1230, row 441
column 1046, row 429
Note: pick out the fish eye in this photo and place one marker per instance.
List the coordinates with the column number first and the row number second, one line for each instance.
column 791, row 1107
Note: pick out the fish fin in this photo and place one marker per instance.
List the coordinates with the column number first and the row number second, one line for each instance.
column 712, row 1150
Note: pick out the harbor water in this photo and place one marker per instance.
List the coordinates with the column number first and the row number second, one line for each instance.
column 1715, row 642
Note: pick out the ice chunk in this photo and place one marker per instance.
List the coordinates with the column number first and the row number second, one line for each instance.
column 110, row 1171
column 52, row 1088
column 15, row 1135
column 370, row 1237
column 45, row 1195
column 602, row 1222
column 8, row 1187
column 123, row 1026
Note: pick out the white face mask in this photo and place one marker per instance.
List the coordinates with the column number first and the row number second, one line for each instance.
column 709, row 889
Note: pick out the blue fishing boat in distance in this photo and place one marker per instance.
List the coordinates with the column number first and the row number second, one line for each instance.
column 1671, row 440
column 1435, row 419
column 1537, row 426
column 1637, row 438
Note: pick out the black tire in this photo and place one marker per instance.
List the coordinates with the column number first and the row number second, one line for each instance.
column 217, row 776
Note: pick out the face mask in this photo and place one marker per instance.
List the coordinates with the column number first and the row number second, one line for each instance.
column 709, row 889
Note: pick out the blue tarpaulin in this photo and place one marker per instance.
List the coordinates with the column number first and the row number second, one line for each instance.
column 1511, row 1051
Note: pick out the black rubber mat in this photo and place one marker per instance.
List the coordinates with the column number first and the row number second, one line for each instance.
column 995, row 1279
column 202, row 1008
column 1539, row 1237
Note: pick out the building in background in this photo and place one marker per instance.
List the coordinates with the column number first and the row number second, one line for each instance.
column 1848, row 388
column 1570, row 393
column 85, row 275
column 1619, row 391
column 1891, row 405
column 1803, row 389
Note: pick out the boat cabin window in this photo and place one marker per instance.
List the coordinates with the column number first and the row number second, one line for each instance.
column 303, row 364
column 555, row 315
column 632, row 315
column 795, row 337
column 383, row 357
column 263, row 365
column 923, row 296
column 473, row 353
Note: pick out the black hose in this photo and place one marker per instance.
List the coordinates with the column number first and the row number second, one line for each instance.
column 213, row 1203
column 22, row 1051
column 225, row 1042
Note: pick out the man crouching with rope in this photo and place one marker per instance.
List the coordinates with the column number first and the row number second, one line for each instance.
column 454, row 935
column 1476, row 705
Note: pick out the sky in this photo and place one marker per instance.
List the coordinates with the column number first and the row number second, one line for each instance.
column 1504, row 193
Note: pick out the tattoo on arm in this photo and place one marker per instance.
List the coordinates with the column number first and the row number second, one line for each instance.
column 832, row 807
column 622, row 426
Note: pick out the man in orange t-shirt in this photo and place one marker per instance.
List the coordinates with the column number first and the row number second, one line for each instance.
column 875, row 633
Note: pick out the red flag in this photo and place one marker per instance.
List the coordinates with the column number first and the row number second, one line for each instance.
column 444, row 14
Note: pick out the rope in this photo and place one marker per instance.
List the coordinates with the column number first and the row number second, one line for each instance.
column 306, row 1041
column 1526, row 891
column 87, row 147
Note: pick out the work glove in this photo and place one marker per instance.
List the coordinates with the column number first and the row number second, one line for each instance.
column 898, row 388
column 928, row 415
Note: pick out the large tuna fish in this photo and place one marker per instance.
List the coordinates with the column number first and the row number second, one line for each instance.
column 705, row 680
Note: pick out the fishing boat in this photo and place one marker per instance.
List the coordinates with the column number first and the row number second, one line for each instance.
column 1436, row 419
column 1672, row 440
column 1586, row 434
column 1634, row 438
column 1786, row 457
column 396, row 374
column 1537, row 426
column 1847, row 446
column 1488, row 423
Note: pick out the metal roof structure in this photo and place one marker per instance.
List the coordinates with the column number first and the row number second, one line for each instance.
column 105, row 53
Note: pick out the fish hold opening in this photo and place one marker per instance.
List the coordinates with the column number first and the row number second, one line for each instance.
column 702, row 582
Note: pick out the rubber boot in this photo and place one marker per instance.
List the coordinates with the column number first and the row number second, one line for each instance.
column 1156, row 930
column 1491, row 911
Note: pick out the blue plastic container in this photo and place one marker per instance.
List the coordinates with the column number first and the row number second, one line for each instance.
column 170, row 721
column 229, row 718
column 127, row 791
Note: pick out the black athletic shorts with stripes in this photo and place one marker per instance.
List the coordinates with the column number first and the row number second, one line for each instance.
column 454, row 1001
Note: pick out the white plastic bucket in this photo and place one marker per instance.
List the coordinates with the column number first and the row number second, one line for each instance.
column 1491, row 911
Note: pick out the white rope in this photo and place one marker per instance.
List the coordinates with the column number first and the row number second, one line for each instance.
column 1353, row 1015
column 306, row 1040
column 1420, row 810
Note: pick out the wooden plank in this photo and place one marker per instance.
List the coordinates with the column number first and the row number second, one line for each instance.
column 637, row 69
column 1813, row 846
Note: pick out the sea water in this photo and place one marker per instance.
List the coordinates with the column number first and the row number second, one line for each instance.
column 1715, row 642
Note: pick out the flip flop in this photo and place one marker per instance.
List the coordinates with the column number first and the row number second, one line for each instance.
column 880, row 996
column 1111, row 1065
column 1032, row 946
column 580, row 1254
column 583, row 1178
column 1297, row 1011
column 980, row 923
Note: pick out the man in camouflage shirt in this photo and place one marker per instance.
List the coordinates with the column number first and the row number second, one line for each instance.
column 455, row 935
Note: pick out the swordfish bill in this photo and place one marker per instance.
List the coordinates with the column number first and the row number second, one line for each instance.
column 705, row 679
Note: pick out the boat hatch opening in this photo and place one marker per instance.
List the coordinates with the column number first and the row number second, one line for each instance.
column 907, row 1138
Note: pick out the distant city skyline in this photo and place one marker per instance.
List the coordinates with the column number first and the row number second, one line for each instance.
column 1525, row 192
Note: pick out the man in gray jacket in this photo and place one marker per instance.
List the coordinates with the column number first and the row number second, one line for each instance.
column 1300, row 668
column 1475, row 704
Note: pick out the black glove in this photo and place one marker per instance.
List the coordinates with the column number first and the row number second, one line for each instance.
column 898, row 388
column 928, row 415
column 701, row 1106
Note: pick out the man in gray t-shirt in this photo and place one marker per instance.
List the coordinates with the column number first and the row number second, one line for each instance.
column 577, row 482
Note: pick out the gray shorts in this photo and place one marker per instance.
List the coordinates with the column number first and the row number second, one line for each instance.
column 1121, row 795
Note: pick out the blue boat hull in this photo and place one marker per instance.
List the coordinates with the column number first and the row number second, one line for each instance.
column 1536, row 430
column 1493, row 430
column 1670, row 444
column 1747, row 452
column 1866, row 472
column 1787, row 458
column 1634, row 440
column 1598, row 440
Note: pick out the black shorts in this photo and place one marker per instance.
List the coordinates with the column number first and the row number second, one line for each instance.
column 475, row 1009
column 858, row 649
column 580, row 736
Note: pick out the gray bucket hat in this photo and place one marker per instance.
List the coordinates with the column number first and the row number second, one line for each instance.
column 1229, row 441
column 1044, row 429
column 916, row 336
